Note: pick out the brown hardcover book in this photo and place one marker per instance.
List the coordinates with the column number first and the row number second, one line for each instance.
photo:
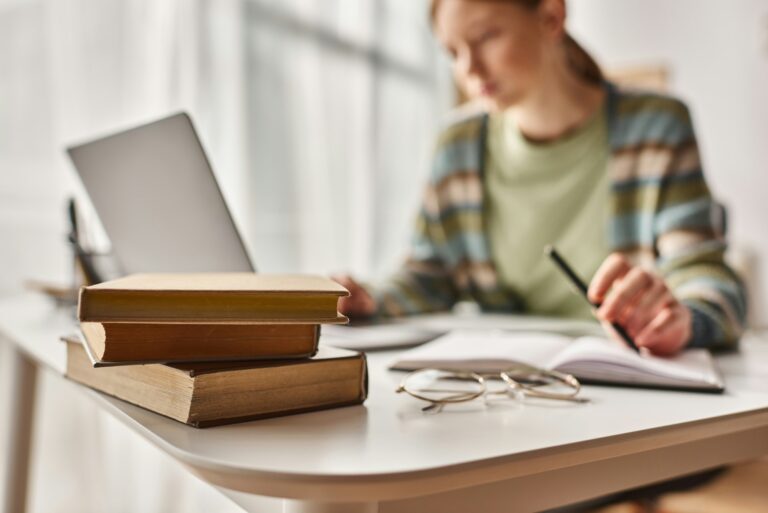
column 214, row 297
column 145, row 342
column 208, row 394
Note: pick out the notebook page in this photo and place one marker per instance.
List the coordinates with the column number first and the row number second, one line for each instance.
column 483, row 350
column 603, row 359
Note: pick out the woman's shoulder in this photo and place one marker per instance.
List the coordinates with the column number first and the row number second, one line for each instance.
column 462, row 124
column 632, row 101
column 459, row 147
column 640, row 116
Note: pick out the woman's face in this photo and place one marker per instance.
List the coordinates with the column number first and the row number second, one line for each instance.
column 495, row 46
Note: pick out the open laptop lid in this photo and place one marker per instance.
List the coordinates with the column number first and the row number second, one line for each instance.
column 158, row 200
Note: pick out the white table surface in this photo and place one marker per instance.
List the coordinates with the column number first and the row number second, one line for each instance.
column 389, row 453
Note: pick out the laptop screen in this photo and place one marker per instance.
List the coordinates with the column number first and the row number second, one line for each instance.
column 158, row 200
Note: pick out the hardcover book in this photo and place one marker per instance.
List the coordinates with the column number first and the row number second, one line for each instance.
column 147, row 342
column 208, row 394
column 214, row 297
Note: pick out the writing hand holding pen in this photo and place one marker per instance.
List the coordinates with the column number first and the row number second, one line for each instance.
column 634, row 303
column 639, row 301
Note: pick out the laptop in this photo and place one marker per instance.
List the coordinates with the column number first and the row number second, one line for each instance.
column 157, row 197
column 158, row 200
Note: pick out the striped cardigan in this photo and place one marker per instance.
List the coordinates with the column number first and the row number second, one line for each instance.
column 660, row 215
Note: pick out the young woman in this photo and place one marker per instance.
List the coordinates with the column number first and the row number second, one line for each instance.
column 560, row 156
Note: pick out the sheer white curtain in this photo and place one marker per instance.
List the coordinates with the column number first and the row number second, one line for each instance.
column 343, row 100
column 318, row 116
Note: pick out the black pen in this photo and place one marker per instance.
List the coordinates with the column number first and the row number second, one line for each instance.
column 82, row 256
column 574, row 278
column 74, row 231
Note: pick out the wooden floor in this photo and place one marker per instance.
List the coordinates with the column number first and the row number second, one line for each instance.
column 740, row 489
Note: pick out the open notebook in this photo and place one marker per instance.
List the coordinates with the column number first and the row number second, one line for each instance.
column 591, row 359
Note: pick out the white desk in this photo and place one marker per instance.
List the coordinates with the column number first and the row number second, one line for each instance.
column 389, row 456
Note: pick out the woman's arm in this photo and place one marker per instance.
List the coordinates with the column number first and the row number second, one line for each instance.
column 424, row 282
column 692, row 298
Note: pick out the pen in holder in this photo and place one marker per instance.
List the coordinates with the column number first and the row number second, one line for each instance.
column 84, row 270
column 84, row 265
column 89, row 267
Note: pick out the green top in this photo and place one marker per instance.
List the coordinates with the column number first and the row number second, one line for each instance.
column 659, row 216
column 538, row 194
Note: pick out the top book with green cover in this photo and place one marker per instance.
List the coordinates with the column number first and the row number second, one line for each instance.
column 214, row 297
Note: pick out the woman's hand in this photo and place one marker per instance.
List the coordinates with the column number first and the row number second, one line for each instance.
column 641, row 303
column 359, row 303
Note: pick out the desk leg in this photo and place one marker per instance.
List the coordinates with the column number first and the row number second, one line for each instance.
column 23, row 382
column 292, row 506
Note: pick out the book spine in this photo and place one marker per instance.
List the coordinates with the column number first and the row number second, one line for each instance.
column 168, row 306
column 195, row 342
column 233, row 420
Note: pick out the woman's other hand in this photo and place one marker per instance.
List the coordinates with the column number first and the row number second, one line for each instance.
column 359, row 303
column 640, row 301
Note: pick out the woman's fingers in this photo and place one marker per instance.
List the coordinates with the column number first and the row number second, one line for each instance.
column 655, row 299
column 641, row 302
column 613, row 268
column 668, row 332
column 359, row 302
column 626, row 293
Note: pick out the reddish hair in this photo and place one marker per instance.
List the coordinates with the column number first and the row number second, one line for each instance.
column 577, row 57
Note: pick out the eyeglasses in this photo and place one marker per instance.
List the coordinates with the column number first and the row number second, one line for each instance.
column 440, row 387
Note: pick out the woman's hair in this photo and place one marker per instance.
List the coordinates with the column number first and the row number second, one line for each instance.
column 577, row 57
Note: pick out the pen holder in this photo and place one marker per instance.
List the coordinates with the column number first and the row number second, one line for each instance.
column 91, row 267
column 85, row 272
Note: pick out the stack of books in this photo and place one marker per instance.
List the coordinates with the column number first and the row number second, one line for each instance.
column 208, row 349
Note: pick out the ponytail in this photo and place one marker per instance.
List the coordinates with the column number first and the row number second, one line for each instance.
column 581, row 62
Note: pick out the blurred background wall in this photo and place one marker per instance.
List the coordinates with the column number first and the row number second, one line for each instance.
column 716, row 55
column 299, row 102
